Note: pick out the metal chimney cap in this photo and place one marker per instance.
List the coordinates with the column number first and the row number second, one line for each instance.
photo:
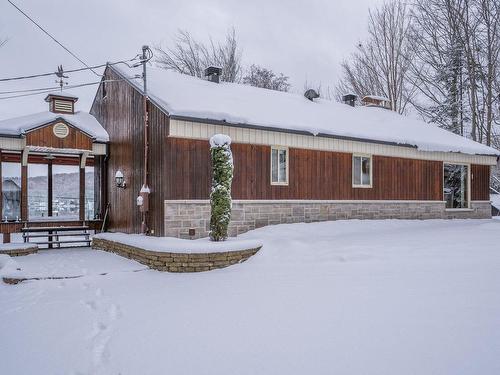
column 213, row 70
column 311, row 94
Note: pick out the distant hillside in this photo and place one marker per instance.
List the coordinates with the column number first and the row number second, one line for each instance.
column 64, row 184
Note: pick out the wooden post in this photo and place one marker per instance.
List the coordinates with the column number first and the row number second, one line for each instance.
column 50, row 192
column 24, row 192
column 6, row 237
column 82, row 187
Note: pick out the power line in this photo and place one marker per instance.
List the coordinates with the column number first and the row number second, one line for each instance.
column 51, row 37
column 56, row 89
column 68, row 71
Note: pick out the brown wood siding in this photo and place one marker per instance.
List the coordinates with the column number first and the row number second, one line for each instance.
column 312, row 175
column 45, row 137
column 121, row 114
column 480, row 181
column 158, row 132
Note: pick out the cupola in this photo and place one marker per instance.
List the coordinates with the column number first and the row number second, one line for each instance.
column 61, row 103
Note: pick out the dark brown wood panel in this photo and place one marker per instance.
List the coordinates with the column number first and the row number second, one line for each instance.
column 44, row 137
column 158, row 132
column 312, row 175
column 480, row 181
column 121, row 113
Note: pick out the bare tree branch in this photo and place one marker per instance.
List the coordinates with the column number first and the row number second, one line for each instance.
column 190, row 56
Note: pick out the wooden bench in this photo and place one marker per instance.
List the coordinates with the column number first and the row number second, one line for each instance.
column 54, row 235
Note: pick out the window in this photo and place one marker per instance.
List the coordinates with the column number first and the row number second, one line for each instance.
column 89, row 194
column 38, row 190
column 279, row 166
column 361, row 171
column 456, row 185
column 104, row 91
column 66, row 191
column 11, row 191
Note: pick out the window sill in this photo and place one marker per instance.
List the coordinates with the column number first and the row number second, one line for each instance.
column 279, row 183
column 362, row 186
column 458, row 209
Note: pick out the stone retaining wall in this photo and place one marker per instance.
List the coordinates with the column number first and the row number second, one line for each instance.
column 175, row 262
column 32, row 249
column 181, row 216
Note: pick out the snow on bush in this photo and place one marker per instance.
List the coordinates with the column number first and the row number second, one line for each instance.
column 220, row 195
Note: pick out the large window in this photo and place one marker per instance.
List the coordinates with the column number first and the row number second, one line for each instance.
column 279, row 166
column 456, row 185
column 11, row 191
column 66, row 191
column 361, row 171
column 89, row 194
column 38, row 191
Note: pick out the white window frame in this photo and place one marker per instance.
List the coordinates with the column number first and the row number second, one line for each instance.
column 469, row 187
column 279, row 148
column 363, row 186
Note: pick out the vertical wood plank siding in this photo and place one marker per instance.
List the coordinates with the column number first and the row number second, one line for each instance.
column 313, row 175
column 45, row 137
column 121, row 114
column 158, row 132
column 480, row 182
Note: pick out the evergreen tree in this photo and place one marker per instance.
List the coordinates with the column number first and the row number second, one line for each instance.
column 220, row 195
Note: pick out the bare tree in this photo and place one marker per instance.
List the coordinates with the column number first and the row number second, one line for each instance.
column 191, row 56
column 457, row 50
column 259, row 76
column 381, row 64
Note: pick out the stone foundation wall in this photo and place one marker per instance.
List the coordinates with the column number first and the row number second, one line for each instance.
column 181, row 216
column 17, row 252
column 175, row 262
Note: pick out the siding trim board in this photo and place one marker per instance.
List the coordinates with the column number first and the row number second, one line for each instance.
column 204, row 130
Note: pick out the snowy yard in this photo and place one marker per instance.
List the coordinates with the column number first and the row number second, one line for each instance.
column 345, row 297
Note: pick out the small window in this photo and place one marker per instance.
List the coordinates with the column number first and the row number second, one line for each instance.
column 279, row 166
column 361, row 171
column 104, row 91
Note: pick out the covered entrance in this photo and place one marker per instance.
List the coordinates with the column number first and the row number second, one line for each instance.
column 52, row 173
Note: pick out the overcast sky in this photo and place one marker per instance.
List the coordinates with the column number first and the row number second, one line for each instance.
column 305, row 40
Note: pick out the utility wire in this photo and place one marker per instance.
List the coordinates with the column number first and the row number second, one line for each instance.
column 57, row 89
column 51, row 37
column 69, row 71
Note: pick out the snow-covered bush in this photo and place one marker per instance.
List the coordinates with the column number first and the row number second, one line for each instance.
column 220, row 195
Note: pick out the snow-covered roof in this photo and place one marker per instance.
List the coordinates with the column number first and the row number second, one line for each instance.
column 81, row 120
column 186, row 96
column 376, row 97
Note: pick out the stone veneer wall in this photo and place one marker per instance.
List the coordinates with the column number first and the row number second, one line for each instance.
column 175, row 262
column 181, row 216
column 20, row 251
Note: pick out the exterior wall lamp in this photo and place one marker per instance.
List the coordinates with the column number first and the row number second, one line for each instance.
column 120, row 181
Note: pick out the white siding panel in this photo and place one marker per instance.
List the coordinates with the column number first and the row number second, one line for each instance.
column 196, row 130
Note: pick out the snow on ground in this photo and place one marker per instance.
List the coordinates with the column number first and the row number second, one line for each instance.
column 71, row 262
column 345, row 297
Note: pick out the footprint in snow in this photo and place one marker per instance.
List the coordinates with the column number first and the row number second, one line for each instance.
column 114, row 312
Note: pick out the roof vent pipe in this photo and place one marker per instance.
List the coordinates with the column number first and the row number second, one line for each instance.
column 311, row 94
column 349, row 99
column 213, row 73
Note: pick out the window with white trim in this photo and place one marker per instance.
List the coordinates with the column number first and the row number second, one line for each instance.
column 361, row 171
column 279, row 166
